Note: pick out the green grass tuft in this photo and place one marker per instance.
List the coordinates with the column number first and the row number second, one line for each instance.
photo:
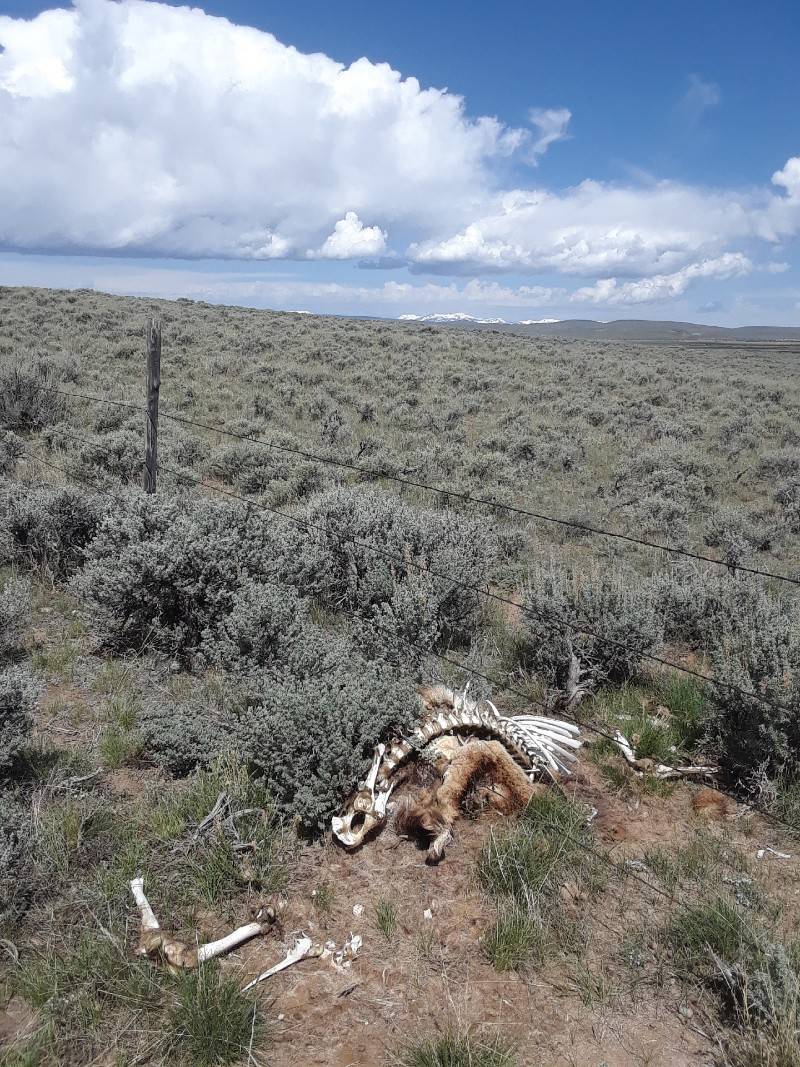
column 386, row 917
column 210, row 1023
column 458, row 1050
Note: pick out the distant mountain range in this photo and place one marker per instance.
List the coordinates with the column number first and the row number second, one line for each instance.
column 617, row 330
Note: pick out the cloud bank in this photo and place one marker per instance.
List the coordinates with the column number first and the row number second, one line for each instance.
column 138, row 128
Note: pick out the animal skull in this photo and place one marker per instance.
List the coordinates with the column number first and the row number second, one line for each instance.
column 368, row 807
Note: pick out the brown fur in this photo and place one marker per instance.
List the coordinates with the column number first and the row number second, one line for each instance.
column 710, row 804
column 434, row 810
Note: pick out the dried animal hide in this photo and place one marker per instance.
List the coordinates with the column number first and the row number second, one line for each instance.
column 538, row 744
column 434, row 810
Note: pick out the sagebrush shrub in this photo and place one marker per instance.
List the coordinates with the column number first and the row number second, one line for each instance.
column 26, row 404
column 15, row 848
column 667, row 468
column 112, row 458
column 342, row 574
column 14, row 617
column 46, row 528
column 559, row 604
column 167, row 571
column 760, row 653
column 265, row 628
column 312, row 738
column 698, row 606
column 736, row 534
column 11, row 448
column 780, row 463
column 787, row 497
column 182, row 735
column 18, row 692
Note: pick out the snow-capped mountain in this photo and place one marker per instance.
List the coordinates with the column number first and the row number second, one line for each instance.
column 461, row 316
column 455, row 316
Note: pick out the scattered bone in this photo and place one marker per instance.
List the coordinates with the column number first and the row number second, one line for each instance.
column 348, row 952
column 762, row 852
column 358, row 910
column 155, row 943
column 302, row 950
column 427, row 914
column 659, row 770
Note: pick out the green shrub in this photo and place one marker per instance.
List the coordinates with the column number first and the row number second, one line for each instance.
column 787, row 497
column 46, row 528
column 758, row 653
column 18, row 693
column 344, row 575
column 112, row 458
column 15, row 850
column 737, row 535
column 190, row 733
column 168, row 571
column 266, row 628
column 312, row 738
column 618, row 608
column 11, row 448
column 14, row 618
column 26, row 404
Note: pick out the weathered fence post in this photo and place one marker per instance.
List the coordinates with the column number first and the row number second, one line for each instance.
column 153, row 335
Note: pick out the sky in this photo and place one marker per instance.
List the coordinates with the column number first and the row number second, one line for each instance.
column 510, row 160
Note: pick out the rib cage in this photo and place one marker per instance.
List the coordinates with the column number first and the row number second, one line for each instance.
column 535, row 742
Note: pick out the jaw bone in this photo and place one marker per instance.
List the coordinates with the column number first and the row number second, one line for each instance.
column 369, row 807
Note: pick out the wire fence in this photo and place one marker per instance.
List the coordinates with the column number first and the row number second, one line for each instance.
column 499, row 684
column 578, row 627
column 387, row 475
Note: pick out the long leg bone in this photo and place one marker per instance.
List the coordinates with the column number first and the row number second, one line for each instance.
column 659, row 770
column 154, row 942
column 302, row 949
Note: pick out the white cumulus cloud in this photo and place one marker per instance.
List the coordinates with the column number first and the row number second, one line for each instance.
column 137, row 127
column 351, row 238
column 145, row 127
column 613, row 293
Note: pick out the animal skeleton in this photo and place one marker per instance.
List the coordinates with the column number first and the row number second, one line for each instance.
column 535, row 742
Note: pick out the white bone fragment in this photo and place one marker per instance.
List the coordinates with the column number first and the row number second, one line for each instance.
column 623, row 744
column 372, row 777
column 178, row 953
column 228, row 942
column 348, row 952
column 358, row 910
column 302, row 948
column 427, row 914
column 773, row 852
column 149, row 921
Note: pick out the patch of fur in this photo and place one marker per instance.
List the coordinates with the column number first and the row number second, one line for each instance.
column 478, row 764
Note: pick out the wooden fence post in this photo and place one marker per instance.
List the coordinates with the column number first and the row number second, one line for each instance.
column 153, row 384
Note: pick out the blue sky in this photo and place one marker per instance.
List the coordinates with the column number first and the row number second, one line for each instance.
column 611, row 160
